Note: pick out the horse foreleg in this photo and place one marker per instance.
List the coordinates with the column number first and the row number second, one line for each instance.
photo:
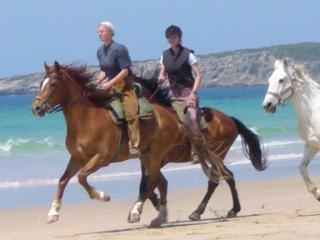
column 93, row 165
column 309, row 153
column 71, row 170
column 196, row 215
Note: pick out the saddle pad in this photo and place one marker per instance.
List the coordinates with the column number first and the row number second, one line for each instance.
column 117, row 112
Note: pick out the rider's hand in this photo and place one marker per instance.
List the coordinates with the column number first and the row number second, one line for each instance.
column 106, row 86
column 162, row 78
column 93, row 83
column 192, row 98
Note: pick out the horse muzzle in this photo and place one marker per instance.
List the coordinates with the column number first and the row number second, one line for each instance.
column 269, row 107
column 38, row 109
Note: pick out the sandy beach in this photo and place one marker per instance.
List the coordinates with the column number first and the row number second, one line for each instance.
column 272, row 209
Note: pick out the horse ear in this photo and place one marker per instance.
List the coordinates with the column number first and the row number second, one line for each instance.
column 57, row 66
column 277, row 63
column 46, row 67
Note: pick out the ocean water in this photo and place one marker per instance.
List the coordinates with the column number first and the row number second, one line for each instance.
column 33, row 154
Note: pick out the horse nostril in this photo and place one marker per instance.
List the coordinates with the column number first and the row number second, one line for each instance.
column 37, row 109
column 267, row 105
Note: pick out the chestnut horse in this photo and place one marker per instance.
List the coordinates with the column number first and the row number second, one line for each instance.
column 94, row 140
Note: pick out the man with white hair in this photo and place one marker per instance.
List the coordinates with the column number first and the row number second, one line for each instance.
column 115, row 63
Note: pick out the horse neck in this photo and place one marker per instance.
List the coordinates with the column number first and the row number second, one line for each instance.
column 307, row 100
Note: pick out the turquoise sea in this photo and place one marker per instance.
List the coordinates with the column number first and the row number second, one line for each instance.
column 33, row 155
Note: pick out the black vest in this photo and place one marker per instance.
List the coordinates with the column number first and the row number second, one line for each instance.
column 178, row 69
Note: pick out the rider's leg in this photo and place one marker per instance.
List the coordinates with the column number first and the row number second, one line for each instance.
column 130, row 105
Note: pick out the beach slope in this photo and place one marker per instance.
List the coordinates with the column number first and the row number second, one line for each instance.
column 273, row 209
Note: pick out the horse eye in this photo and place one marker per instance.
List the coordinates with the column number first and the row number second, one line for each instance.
column 281, row 80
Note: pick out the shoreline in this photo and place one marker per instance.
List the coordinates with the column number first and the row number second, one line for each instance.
column 179, row 176
column 271, row 209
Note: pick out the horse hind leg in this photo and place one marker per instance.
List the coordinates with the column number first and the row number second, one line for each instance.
column 196, row 215
column 153, row 177
column 162, row 217
column 143, row 184
column 136, row 210
column 308, row 155
column 71, row 170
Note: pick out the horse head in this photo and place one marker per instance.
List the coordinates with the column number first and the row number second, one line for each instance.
column 283, row 84
column 52, row 90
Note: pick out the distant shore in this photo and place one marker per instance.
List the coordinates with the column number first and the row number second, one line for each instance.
column 244, row 67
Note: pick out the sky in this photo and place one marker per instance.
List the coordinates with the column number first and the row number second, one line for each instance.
column 35, row 31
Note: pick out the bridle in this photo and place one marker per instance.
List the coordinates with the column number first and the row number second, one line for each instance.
column 292, row 89
column 59, row 107
column 281, row 100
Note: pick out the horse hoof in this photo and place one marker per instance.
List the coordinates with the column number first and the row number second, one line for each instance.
column 155, row 223
column 106, row 198
column 133, row 218
column 318, row 194
column 101, row 196
column 195, row 216
column 232, row 213
column 52, row 219
column 157, row 207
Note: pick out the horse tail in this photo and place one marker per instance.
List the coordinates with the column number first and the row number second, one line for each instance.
column 252, row 146
column 212, row 164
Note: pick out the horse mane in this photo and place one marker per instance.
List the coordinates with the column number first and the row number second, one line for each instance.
column 299, row 70
column 80, row 73
column 149, row 81
column 303, row 74
column 83, row 77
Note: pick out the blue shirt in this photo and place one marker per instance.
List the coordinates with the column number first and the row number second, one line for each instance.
column 113, row 58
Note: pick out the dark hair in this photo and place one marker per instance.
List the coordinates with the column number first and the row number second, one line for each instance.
column 173, row 30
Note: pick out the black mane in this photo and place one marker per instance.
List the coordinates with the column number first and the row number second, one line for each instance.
column 149, row 81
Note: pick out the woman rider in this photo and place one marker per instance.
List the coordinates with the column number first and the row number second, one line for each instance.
column 178, row 64
column 115, row 69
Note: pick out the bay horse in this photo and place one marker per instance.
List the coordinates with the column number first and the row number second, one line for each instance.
column 290, row 81
column 94, row 140
column 221, row 129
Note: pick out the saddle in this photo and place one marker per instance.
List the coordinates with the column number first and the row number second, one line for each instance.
column 202, row 115
column 116, row 110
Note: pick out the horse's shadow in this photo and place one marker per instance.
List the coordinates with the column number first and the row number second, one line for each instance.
column 171, row 224
column 309, row 215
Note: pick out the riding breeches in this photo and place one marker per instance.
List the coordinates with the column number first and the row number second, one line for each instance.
column 188, row 115
column 130, row 106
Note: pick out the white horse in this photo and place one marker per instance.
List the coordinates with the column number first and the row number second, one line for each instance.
column 289, row 81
